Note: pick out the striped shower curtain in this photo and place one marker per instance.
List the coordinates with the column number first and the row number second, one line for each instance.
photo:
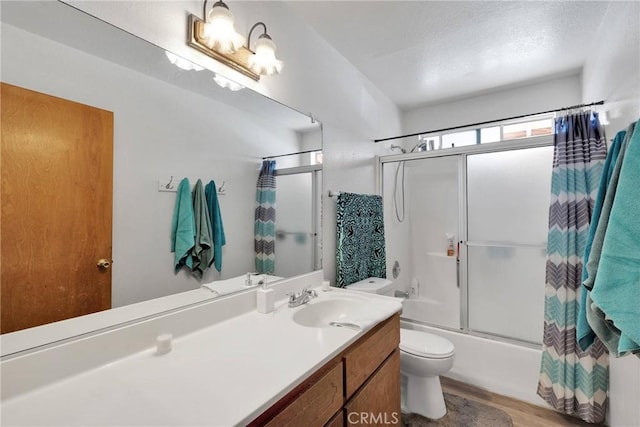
column 265, row 218
column 571, row 380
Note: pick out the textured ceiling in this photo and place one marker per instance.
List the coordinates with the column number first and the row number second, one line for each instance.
column 421, row 52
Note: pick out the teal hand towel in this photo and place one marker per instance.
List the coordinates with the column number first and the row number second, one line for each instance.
column 202, row 251
column 584, row 333
column 616, row 290
column 183, row 227
column 217, row 229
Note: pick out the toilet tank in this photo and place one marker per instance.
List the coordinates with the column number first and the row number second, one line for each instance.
column 374, row 285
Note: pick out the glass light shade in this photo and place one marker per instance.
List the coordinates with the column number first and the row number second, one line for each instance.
column 182, row 63
column 264, row 61
column 219, row 31
column 226, row 83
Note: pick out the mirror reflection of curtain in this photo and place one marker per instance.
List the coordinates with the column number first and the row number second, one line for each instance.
column 265, row 218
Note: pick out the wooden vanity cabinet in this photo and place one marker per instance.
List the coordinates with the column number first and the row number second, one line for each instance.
column 378, row 401
column 360, row 386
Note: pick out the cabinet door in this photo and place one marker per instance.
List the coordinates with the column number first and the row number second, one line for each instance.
column 315, row 406
column 378, row 402
column 337, row 420
column 364, row 358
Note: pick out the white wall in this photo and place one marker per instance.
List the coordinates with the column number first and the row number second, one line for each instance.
column 316, row 79
column 525, row 99
column 612, row 72
column 154, row 139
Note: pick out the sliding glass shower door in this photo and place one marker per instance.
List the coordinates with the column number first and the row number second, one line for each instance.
column 494, row 204
column 507, row 215
column 422, row 202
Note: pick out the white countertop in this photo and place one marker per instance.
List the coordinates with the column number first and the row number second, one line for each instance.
column 58, row 331
column 226, row 374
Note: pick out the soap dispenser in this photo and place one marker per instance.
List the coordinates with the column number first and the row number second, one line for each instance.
column 265, row 298
column 451, row 250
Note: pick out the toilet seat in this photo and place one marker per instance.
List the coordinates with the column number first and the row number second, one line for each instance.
column 424, row 344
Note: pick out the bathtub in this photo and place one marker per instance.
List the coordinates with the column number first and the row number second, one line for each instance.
column 430, row 311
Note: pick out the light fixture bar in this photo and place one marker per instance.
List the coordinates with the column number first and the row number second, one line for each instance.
column 237, row 60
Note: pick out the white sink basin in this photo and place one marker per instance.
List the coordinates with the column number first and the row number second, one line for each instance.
column 319, row 313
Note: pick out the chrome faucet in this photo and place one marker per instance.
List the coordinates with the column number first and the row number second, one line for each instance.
column 296, row 299
column 249, row 280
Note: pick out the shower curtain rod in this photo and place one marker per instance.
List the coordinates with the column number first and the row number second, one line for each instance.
column 488, row 121
column 290, row 154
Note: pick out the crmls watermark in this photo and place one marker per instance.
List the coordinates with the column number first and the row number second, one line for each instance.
column 373, row 418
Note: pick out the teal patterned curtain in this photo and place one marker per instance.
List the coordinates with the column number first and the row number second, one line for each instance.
column 265, row 218
column 360, row 239
column 573, row 381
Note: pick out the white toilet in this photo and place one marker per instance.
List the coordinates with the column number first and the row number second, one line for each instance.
column 423, row 358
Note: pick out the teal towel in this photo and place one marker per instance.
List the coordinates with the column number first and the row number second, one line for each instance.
column 202, row 251
column 183, row 228
column 606, row 331
column 584, row 333
column 598, row 238
column 616, row 290
column 219, row 239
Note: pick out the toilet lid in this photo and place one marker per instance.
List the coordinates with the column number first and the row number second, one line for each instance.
column 425, row 344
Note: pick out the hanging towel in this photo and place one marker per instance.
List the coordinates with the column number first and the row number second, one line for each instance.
column 265, row 219
column 584, row 333
column 616, row 290
column 607, row 333
column 603, row 222
column 202, row 251
column 360, row 238
column 217, row 230
column 183, row 228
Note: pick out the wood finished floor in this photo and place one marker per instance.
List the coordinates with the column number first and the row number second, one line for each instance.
column 522, row 414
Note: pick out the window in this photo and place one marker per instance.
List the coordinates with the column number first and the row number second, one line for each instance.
column 459, row 139
column 527, row 129
column 490, row 134
column 486, row 135
column 315, row 158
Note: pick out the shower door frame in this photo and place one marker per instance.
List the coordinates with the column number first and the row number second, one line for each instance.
column 462, row 271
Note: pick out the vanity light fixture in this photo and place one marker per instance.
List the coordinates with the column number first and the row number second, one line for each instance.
column 219, row 33
column 215, row 36
column 264, row 61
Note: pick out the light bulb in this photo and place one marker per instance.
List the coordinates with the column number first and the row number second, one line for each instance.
column 264, row 60
column 219, row 31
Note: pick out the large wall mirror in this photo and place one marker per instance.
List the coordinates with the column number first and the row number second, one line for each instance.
column 168, row 123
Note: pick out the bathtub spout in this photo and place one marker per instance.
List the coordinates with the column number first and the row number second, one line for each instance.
column 400, row 294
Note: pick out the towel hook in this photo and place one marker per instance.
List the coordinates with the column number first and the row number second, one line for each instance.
column 169, row 186
column 221, row 189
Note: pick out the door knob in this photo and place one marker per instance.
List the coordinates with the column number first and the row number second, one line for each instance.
column 104, row 263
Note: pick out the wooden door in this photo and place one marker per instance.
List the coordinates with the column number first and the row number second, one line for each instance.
column 57, row 175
